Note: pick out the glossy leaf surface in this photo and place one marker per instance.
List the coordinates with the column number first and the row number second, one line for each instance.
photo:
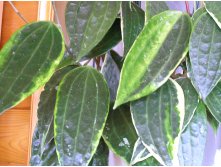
column 100, row 157
column 140, row 152
column 205, row 55
column 36, row 148
column 154, row 8
column 87, row 22
column 214, row 9
column 155, row 54
column 48, row 157
column 111, row 74
column 81, row 110
column 132, row 22
column 213, row 102
column 119, row 133
column 193, row 139
column 191, row 99
column 112, row 38
column 46, row 107
column 28, row 60
column 158, row 119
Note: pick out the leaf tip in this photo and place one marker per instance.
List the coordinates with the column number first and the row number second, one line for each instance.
column 115, row 105
column 118, row 102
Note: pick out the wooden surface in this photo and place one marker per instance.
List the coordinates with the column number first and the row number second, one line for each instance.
column 16, row 124
column 14, row 132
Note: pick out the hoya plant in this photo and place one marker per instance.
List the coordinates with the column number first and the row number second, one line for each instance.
column 137, row 104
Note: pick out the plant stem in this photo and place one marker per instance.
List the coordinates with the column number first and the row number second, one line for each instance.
column 17, row 12
column 187, row 7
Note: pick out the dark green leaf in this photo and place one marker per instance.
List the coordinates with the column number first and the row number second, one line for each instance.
column 48, row 157
column 36, row 149
column 132, row 18
column 140, row 152
column 117, row 59
column 119, row 133
column 205, row 55
column 111, row 74
column 153, row 57
column 214, row 9
column 28, row 60
column 154, row 8
column 81, row 110
column 193, row 139
column 191, row 99
column 158, row 119
column 44, row 131
column 100, row 157
column 46, row 107
column 198, row 13
column 112, row 38
column 87, row 22
column 212, row 121
column 213, row 102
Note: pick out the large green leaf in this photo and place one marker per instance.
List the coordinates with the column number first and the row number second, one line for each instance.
column 46, row 107
column 154, row 8
column 44, row 132
column 81, row 110
column 213, row 102
column 153, row 57
column 88, row 22
column 100, row 157
column 112, row 38
column 193, row 139
column 111, row 74
column 191, row 99
column 28, row 60
column 195, row 16
column 119, row 133
column 48, row 157
column 205, row 55
column 132, row 22
column 140, row 152
column 214, row 9
column 158, row 119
